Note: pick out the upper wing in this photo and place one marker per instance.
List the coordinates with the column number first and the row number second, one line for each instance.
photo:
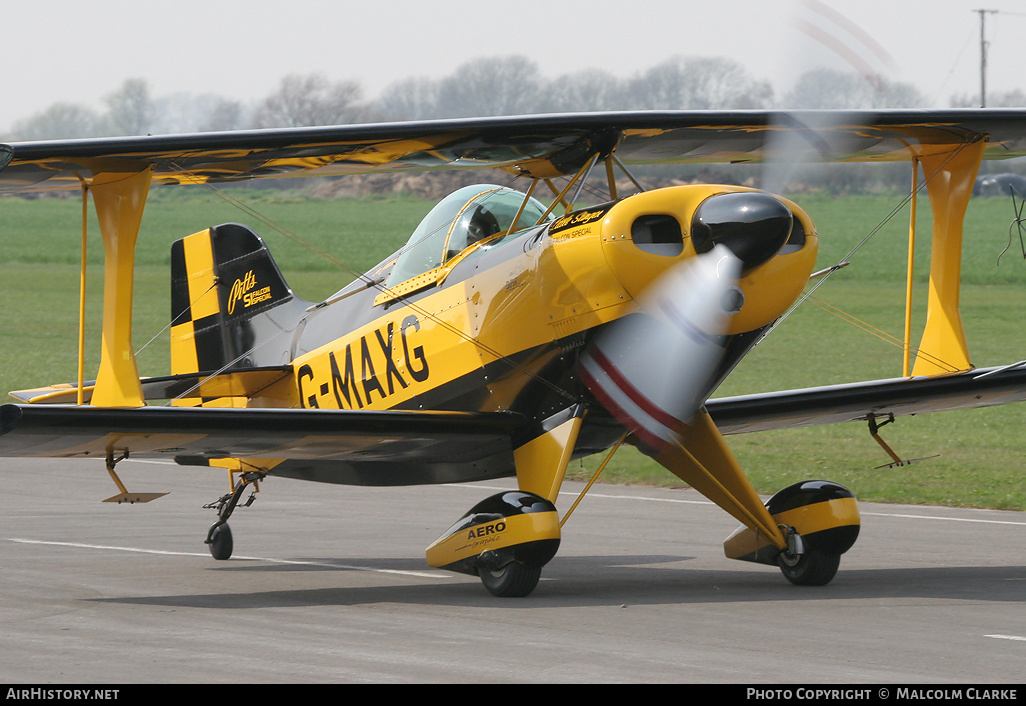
column 983, row 387
column 544, row 145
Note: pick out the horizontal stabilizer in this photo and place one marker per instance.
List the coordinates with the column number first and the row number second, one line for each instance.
column 236, row 383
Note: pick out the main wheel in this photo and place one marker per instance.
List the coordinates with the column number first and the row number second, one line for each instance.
column 221, row 543
column 514, row 580
column 813, row 568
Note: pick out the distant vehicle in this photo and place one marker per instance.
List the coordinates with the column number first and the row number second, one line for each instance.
column 1000, row 185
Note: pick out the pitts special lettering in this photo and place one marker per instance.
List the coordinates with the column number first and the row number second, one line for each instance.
column 374, row 356
column 243, row 288
column 577, row 218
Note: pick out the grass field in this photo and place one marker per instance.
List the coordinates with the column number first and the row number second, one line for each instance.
column 981, row 452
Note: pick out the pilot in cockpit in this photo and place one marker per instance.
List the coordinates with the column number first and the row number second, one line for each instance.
column 459, row 221
column 482, row 224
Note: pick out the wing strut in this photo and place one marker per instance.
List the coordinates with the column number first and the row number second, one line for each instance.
column 949, row 182
column 80, row 399
column 905, row 367
column 119, row 199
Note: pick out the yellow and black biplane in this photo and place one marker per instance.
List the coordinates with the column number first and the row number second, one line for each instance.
column 508, row 336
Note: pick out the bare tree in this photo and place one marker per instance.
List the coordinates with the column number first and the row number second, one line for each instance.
column 492, row 86
column 302, row 101
column 59, row 121
column 224, row 114
column 409, row 99
column 698, row 83
column 832, row 89
column 190, row 112
column 1009, row 99
column 129, row 109
column 587, row 90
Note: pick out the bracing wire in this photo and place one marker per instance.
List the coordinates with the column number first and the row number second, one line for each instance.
column 877, row 332
column 1017, row 222
column 173, row 321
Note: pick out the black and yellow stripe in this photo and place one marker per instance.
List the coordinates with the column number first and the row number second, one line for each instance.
column 223, row 280
column 823, row 513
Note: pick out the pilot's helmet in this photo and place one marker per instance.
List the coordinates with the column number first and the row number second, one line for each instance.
column 482, row 224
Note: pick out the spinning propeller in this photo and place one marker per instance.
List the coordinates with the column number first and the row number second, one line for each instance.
column 653, row 370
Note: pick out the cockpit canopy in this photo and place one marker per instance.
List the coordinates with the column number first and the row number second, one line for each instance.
column 461, row 219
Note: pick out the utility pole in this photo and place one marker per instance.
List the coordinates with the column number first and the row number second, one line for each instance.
column 983, row 57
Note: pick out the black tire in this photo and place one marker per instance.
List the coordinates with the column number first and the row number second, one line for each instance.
column 514, row 580
column 221, row 543
column 814, row 568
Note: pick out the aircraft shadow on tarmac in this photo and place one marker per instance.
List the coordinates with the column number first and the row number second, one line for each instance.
column 602, row 580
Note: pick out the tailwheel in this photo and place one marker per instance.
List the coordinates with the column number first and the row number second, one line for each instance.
column 514, row 580
column 814, row 567
column 220, row 542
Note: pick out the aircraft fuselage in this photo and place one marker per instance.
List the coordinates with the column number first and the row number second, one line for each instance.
column 498, row 328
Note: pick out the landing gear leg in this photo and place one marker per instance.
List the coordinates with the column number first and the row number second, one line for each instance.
column 219, row 536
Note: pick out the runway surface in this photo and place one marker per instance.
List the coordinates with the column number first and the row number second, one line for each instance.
column 329, row 584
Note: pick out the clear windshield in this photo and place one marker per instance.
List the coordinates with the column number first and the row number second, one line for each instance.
column 460, row 220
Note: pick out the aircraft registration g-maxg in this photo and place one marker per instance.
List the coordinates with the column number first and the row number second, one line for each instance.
column 508, row 336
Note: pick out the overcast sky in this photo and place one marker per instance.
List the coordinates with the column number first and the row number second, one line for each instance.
column 78, row 51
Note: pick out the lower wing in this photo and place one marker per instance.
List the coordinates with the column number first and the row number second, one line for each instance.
column 412, row 447
column 983, row 387
column 342, row 446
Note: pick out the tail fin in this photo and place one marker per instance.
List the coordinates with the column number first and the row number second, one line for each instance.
column 230, row 306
